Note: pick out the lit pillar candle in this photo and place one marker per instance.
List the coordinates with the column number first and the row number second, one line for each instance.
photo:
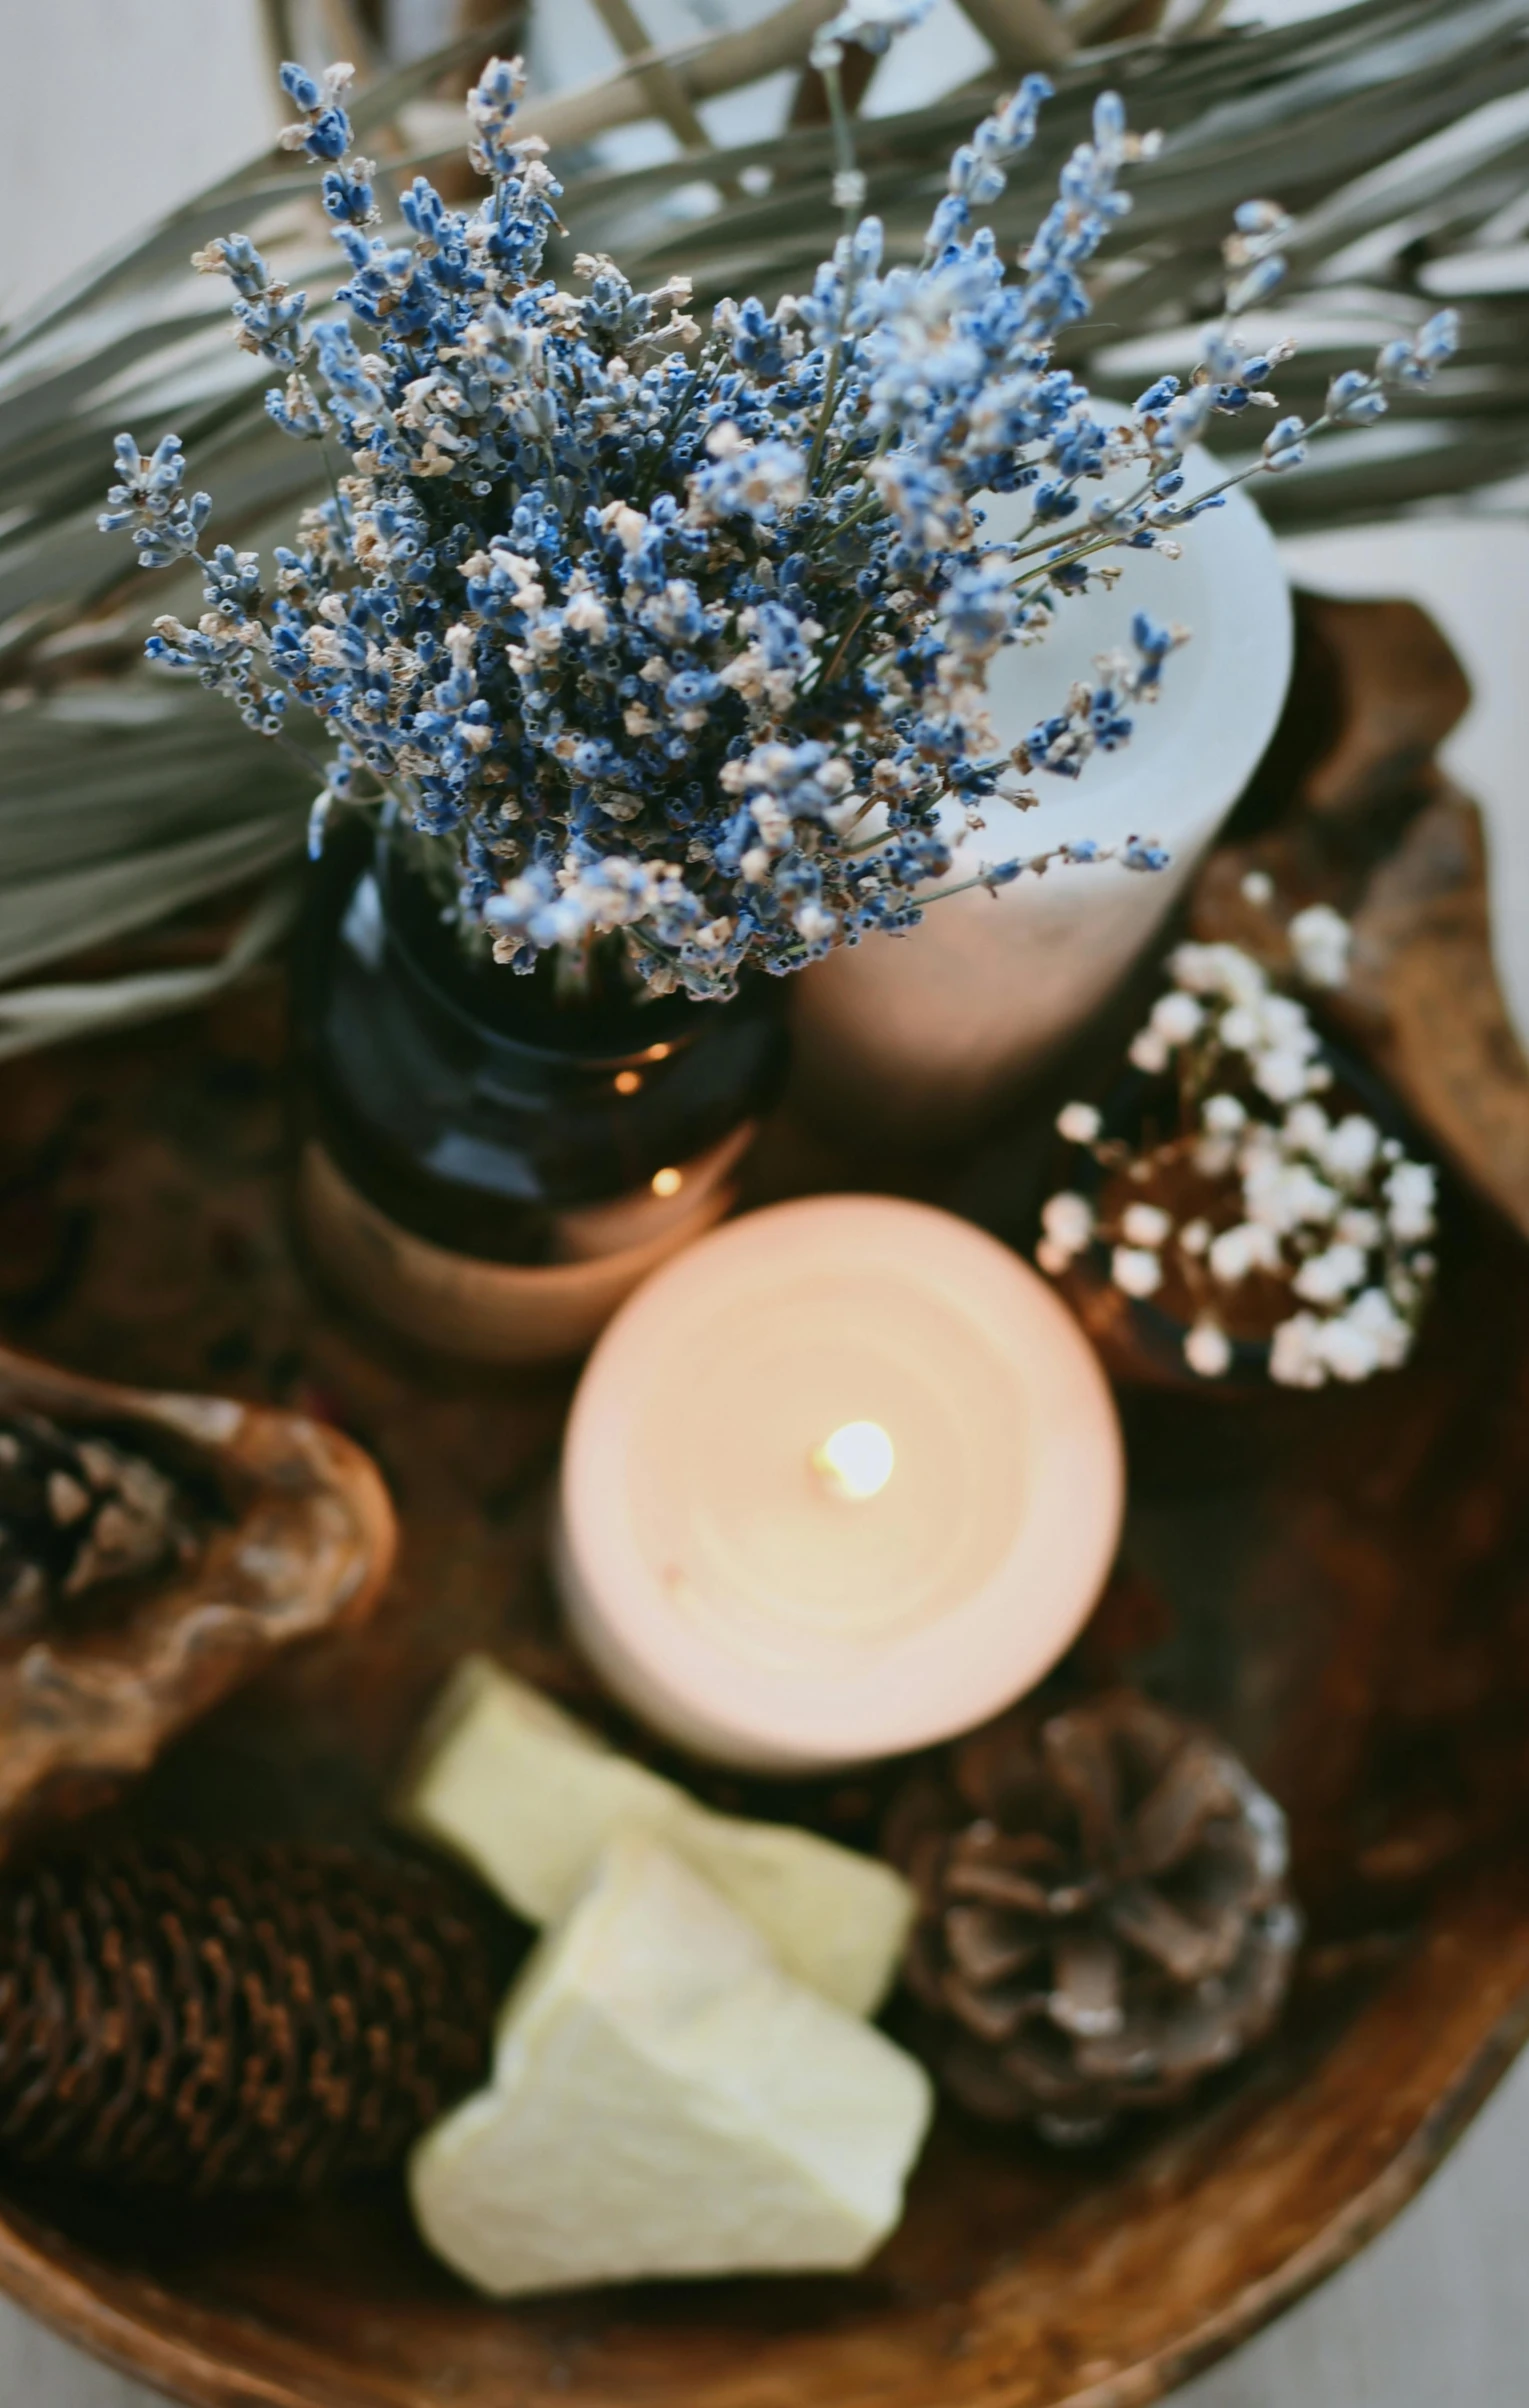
column 841, row 1480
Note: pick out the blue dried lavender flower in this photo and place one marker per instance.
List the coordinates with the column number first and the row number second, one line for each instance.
column 872, row 25
column 148, row 503
column 325, row 129
column 684, row 632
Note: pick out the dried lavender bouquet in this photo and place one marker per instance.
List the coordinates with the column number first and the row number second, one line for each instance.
column 685, row 634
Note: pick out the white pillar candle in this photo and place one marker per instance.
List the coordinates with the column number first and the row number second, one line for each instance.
column 841, row 1480
column 922, row 1032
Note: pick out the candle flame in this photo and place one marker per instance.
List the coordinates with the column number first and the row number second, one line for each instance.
column 856, row 1462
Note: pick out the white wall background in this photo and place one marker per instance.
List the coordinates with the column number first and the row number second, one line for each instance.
column 112, row 110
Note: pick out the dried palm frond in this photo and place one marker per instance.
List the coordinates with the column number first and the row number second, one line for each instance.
column 127, row 795
column 1399, row 129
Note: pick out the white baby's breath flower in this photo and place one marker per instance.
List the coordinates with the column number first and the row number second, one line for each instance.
column 1149, row 1052
column 1068, row 1221
column 1349, row 1154
column 1195, row 1237
column 1214, row 1156
column 1347, row 1348
column 1177, row 1017
column 1315, row 1201
column 1327, row 1277
column 1375, row 1314
column 1208, row 1350
column 1241, row 1029
column 1191, row 967
column 1306, row 1128
column 1218, row 970
column 1257, row 888
column 1287, row 1024
column 1295, row 1353
column 1136, row 1270
column 1078, row 1123
column 1223, row 1114
column 1410, row 1192
column 1249, row 1246
column 1281, row 1196
column 1242, row 978
column 1358, row 1226
column 1281, row 1073
column 1145, row 1224
column 1320, row 939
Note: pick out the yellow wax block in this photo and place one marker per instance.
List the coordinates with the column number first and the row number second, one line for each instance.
column 667, row 2101
column 531, row 1800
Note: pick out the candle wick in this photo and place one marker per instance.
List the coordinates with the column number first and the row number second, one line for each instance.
column 856, row 1461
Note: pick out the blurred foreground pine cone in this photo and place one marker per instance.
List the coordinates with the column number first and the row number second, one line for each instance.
column 77, row 1511
column 1103, row 1912
column 269, row 2020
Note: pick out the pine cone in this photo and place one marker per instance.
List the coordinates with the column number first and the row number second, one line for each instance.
column 1103, row 1912
column 239, row 2022
column 75, row 1513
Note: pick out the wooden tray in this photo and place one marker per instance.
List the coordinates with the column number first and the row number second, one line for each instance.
column 1340, row 1582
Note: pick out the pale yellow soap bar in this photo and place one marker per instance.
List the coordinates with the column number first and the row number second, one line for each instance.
column 531, row 1799
column 667, row 2101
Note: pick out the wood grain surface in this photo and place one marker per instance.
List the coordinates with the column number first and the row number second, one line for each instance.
column 1340, row 1583
column 1370, row 2338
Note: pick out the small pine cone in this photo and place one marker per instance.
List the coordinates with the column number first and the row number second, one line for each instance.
column 271, row 2020
column 76, row 1512
column 1103, row 1912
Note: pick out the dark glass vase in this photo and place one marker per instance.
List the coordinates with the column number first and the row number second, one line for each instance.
column 487, row 1165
